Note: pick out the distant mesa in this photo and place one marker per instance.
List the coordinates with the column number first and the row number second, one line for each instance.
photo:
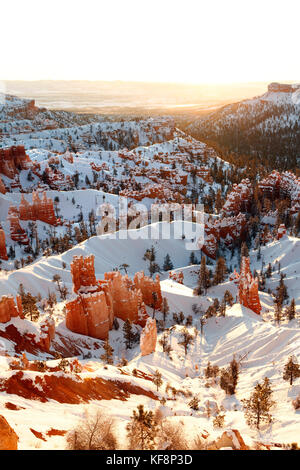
column 282, row 88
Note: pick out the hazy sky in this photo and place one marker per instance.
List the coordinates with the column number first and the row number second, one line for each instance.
column 156, row 40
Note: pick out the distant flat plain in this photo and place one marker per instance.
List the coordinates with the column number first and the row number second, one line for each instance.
column 117, row 97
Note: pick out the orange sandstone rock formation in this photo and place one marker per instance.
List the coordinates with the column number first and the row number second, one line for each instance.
column 228, row 229
column 47, row 334
column 83, row 272
column 2, row 187
column 88, row 315
column 8, row 437
column 176, row 276
column 282, row 185
column 40, row 209
column 127, row 298
column 13, row 159
column 98, row 302
column 231, row 438
column 8, row 308
column 148, row 337
column 210, row 246
column 17, row 233
column 150, row 289
column 281, row 232
column 248, row 287
column 3, row 252
column 239, row 199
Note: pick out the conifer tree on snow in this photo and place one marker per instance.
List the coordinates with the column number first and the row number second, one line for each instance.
column 193, row 259
column 107, row 356
column 229, row 377
column 142, row 429
column 165, row 308
column 157, row 379
column 228, row 298
column 257, row 408
column 291, row 370
column 220, row 271
column 203, row 280
column 291, row 310
column 187, row 339
column 129, row 335
column 168, row 265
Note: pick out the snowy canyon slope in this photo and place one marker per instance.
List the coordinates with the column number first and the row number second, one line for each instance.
column 43, row 406
column 262, row 347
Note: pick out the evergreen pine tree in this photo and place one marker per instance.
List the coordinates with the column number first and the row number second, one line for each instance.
column 291, row 310
column 157, row 379
column 107, row 356
column 228, row 298
column 142, row 430
column 129, row 336
column 193, row 259
column 203, row 280
column 168, row 265
column 277, row 311
column 187, row 339
column 194, row 404
column 165, row 308
column 291, row 370
column 257, row 407
column 220, row 271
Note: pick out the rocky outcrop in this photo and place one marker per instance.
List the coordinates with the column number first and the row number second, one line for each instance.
column 12, row 160
column 39, row 340
column 229, row 439
column 204, row 173
column 164, row 192
column 83, row 272
column 70, row 389
column 282, row 185
column 248, row 287
column 88, row 315
column 98, row 302
column 40, row 209
column 281, row 232
column 150, row 289
column 47, row 334
column 227, row 229
column 210, row 246
column 3, row 252
column 127, row 298
column 239, row 199
column 148, row 337
column 176, row 276
column 282, row 88
column 17, row 233
column 8, row 308
column 8, row 437
column 2, row 186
